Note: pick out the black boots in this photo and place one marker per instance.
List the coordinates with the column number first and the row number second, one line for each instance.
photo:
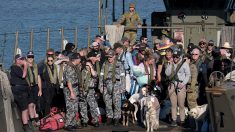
column 109, row 121
column 27, row 128
column 116, row 122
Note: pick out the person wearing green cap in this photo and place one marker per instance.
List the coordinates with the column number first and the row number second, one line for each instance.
column 130, row 20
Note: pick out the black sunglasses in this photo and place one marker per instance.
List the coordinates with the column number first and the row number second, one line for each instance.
column 49, row 60
column 30, row 56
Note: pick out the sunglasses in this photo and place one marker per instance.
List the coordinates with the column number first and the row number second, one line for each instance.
column 202, row 43
column 210, row 44
column 176, row 57
column 30, row 56
column 194, row 54
column 49, row 60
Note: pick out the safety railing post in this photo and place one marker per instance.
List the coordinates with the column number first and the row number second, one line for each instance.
column 62, row 39
column 31, row 41
column 88, row 36
column 48, row 38
column 16, row 44
column 76, row 37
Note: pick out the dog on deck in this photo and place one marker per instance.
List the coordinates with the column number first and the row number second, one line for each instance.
column 128, row 109
column 198, row 113
column 151, row 113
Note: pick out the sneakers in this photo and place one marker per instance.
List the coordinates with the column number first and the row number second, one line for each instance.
column 77, row 127
column 173, row 124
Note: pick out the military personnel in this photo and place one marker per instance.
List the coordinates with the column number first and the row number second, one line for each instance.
column 112, row 85
column 87, row 91
column 201, row 75
column 71, row 91
column 130, row 19
column 192, row 88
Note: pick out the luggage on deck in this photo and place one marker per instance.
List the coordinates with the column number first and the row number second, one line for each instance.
column 54, row 121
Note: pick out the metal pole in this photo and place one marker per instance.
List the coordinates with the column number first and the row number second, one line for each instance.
column 123, row 6
column 62, row 39
column 48, row 38
column 76, row 37
column 113, row 11
column 88, row 36
column 99, row 16
column 31, row 40
column 16, row 44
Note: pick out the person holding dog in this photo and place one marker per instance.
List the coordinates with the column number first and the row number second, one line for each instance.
column 178, row 72
column 112, row 85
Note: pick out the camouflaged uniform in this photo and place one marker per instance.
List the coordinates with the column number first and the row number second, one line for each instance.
column 192, row 87
column 112, row 91
column 70, row 75
column 87, row 95
column 130, row 20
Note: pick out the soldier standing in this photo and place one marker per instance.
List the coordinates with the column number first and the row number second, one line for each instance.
column 71, row 91
column 112, row 85
column 87, row 91
column 130, row 19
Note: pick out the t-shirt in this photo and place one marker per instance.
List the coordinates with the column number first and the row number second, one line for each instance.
column 16, row 76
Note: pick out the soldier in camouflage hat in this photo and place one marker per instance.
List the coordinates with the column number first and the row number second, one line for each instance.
column 112, row 85
column 87, row 91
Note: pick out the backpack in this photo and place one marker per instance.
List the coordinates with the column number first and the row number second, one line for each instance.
column 54, row 121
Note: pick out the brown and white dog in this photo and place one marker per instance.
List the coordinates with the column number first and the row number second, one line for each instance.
column 151, row 113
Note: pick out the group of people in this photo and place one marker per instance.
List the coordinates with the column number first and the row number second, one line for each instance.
column 102, row 76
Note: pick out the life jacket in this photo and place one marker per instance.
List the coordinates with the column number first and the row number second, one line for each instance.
column 32, row 75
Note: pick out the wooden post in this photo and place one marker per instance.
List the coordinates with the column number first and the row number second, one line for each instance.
column 76, row 37
column 62, row 39
column 48, row 38
column 16, row 45
column 31, row 40
column 88, row 36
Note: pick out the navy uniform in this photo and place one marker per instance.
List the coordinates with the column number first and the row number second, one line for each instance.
column 87, row 95
column 112, row 85
column 71, row 87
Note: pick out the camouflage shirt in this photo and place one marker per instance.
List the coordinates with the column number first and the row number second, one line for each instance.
column 119, row 85
column 130, row 20
column 70, row 74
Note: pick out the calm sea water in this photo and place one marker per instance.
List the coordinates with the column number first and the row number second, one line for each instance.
column 24, row 15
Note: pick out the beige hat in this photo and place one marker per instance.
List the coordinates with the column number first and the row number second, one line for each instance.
column 226, row 45
column 131, row 5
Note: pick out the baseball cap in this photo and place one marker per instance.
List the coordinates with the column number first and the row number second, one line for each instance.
column 177, row 53
column 110, row 53
column 19, row 57
column 74, row 56
column 92, row 54
column 30, row 53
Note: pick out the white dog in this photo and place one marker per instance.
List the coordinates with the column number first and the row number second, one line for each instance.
column 151, row 112
column 136, row 99
column 198, row 113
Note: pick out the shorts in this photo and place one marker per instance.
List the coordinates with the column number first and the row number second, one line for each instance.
column 33, row 94
column 21, row 96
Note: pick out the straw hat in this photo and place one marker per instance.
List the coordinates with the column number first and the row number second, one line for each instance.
column 226, row 45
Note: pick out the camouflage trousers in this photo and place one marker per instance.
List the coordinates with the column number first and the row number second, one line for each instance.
column 131, row 35
column 112, row 100
column 88, row 98
column 71, row 108
column 192, row 95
